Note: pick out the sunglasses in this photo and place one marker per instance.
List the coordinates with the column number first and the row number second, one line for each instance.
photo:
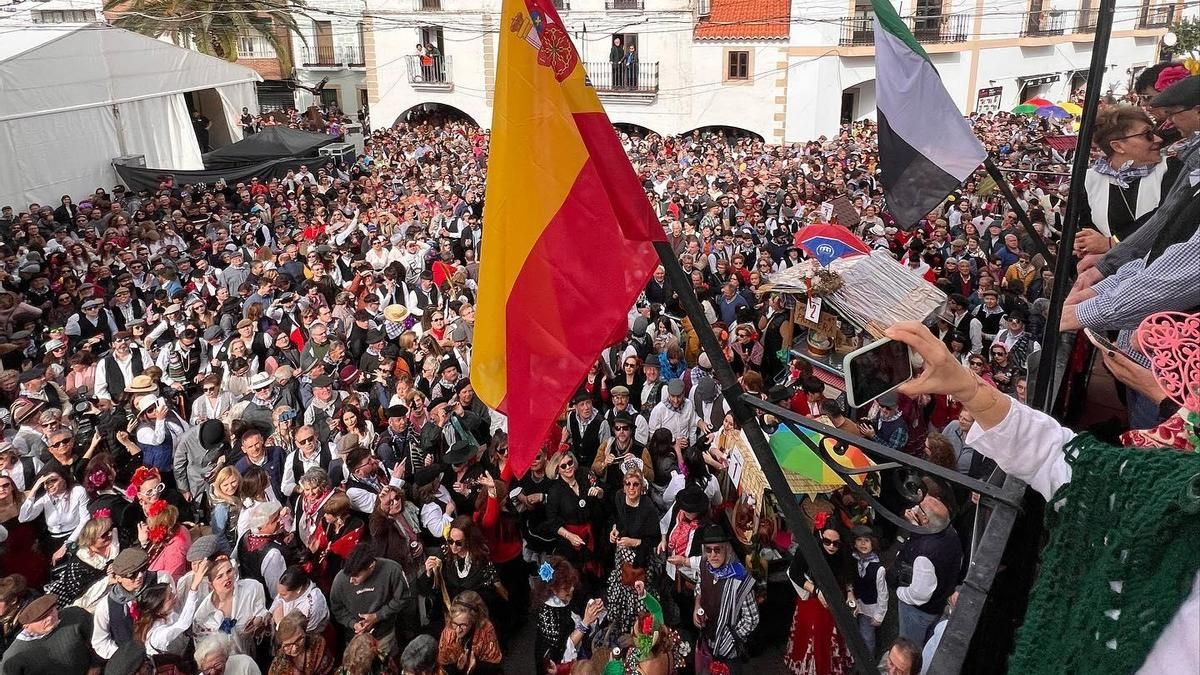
column 1148, row 135
column 59, row 444
column 566, row 465
column 831, row 542
column 713, row 549
column 457, row 542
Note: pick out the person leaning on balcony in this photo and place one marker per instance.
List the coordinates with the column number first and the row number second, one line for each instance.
column 631, row 67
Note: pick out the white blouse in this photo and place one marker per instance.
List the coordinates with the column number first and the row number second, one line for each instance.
column 1029, row 445
column 165, row 631
column 65, row 514
column 249, row 601
column 310, row 603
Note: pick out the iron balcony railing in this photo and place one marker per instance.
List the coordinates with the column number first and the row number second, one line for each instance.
column 1158, row 16
column 427, row 5
column 859, row 31
column 624, row 4
column 1045, row 23
column 352, row 56
column 429, row 71
column 319, row 56
column 609, row 77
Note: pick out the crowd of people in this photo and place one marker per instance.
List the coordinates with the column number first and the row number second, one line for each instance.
column 240, row 436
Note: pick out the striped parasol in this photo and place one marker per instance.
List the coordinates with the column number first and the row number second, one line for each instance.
column 806, row 472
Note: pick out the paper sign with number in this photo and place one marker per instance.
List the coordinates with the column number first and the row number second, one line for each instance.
column 812, row 310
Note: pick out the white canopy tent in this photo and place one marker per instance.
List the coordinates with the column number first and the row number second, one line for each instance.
column 76, row 97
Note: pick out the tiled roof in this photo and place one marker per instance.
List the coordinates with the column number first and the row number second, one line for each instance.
column 745, row 20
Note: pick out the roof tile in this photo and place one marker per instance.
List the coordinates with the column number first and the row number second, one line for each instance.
column 746, row 20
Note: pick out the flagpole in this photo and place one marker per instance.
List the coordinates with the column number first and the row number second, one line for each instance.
column 1044, row 391
column 1007, row 191
column 731, row 389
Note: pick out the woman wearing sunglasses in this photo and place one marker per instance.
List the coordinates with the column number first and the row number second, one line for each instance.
column 815, row 645
column 62, row 505
column 573, row 503
column 1126, row 185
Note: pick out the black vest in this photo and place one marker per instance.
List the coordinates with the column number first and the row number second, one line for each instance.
column 944, row 550
column 119, row 317
column 88, row 330
column 250, row 562
column 1177, row 230
column 864, row 584
column 990, row 323
column 585, row 442
column 324, row 458
column 120, row 624
column 115, row 378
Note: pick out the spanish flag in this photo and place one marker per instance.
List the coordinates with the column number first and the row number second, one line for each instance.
column 568, row 232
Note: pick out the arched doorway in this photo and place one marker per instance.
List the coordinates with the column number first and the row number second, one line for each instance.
column 632, row 129
column 730, row 133
column 434, row 113
column 858, row 102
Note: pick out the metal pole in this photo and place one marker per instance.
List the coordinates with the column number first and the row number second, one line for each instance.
column 1008, row 193
column 797, row 523
column 1044, row 392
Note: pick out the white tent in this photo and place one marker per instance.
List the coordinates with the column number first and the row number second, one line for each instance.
column 73, row 98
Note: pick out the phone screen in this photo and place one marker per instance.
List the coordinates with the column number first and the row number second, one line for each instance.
column 877, row 370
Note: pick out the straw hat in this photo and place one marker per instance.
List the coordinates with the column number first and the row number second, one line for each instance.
column 395, row 313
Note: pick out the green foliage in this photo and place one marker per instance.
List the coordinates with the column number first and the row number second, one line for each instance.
column 212, row 26
column 1188, row 34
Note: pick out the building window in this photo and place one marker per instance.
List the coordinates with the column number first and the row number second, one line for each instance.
column 64, row 16
column 254, row 45
column 738, row 66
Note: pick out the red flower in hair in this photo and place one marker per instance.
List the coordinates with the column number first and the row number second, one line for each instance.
column 718, row 668
column 157, row 533
column 1170, row 75
column 821, row 520
column 102, row 513
column 646, row 625
column 157, row 508
column 143, row 474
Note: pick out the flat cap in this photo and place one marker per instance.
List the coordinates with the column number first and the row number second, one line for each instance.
column 203, row 548
column 37, row 609
column 1185, row 92
column 129, row 562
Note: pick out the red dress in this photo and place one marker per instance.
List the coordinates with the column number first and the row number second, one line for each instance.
column 815, row 647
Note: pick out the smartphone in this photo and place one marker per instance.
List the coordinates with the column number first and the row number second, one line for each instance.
column 875, row 369
column 1103, row 343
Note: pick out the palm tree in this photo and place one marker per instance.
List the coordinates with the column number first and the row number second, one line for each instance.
column 212, row 26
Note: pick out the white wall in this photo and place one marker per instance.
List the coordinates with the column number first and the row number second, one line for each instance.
column 344, row 17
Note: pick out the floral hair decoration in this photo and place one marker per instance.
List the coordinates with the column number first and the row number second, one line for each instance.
column 143, row 474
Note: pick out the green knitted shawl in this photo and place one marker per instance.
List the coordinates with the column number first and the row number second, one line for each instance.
column 1122, row 557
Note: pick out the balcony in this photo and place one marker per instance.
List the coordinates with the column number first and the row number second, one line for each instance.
column 352, row 56
column 1046, row 23
column 427, row 5
column 636, row 83
column 636, row 5
column 320, row 56
column 1159, row 16
column 859, row 31
column 429, row 73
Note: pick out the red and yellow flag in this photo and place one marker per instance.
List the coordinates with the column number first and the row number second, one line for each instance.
column 568, row 231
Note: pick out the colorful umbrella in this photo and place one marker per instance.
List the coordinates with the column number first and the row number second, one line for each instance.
column 827, row 242
column 1024, row 109
column 1071, row 108
column 1038, row 102
column 1053, row 112
column 806, row 472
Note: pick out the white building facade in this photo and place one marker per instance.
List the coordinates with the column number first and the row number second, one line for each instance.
column 331, row 49
column 785, row 70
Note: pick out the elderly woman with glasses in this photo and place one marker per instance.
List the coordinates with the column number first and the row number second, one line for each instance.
column 468, row 643
column 88, row 562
